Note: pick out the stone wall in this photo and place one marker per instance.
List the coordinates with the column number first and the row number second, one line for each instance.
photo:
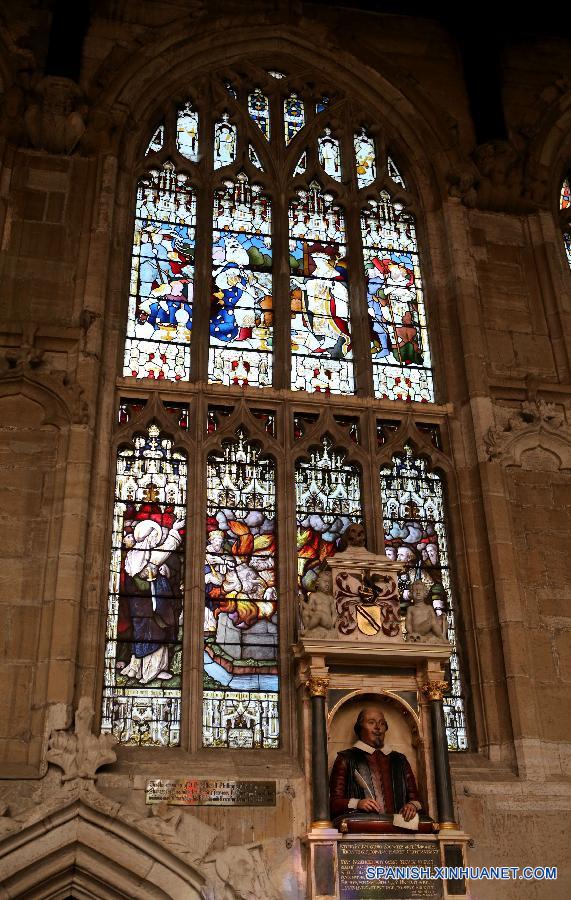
column 499, row 301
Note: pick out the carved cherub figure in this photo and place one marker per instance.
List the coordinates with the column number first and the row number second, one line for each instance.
column 422, row 621
column 318, row 613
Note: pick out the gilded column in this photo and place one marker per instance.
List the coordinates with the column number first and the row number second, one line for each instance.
column 434, row 691
column 317, row 689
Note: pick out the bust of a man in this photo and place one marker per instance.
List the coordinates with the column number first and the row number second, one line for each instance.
column 368, row 783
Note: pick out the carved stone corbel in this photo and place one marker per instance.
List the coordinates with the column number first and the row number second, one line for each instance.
column 27, row 363
column 55, row 115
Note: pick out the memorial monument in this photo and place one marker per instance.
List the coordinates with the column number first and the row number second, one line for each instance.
column 374, row 674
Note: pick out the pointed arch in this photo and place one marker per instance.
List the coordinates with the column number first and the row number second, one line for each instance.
column 86, row 846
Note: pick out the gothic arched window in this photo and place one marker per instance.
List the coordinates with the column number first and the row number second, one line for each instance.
column 275, row 314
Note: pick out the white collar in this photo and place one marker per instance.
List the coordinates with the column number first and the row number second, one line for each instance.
column 361, row 745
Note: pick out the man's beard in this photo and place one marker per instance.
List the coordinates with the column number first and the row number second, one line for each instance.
column 378, row 741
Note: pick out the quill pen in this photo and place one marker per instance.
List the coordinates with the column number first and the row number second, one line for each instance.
column 361, row 781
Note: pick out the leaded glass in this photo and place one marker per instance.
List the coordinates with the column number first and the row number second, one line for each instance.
column 187, row 132
column 254, row 159
column 241, row 309
column 397, row 318
column 301, row 164
column 320, row 321
column 565, row 198
column 259, row 109
column 240, row 700
column 276, row 74
column 294, row 116
column 328, row 500
column 364, row 158
column 302, row 422
column 394, row 172
column 321, row 104
column 567, row 241
column 225, row 142
column 157, row 141
column 143, row 657
column 329, row 154
column 162, row 274
column 415, row 535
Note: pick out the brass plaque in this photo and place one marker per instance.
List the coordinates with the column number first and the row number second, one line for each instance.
column 355, row 858
column 197, row 792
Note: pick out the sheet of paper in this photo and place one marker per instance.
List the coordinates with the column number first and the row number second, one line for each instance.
column 400, row 822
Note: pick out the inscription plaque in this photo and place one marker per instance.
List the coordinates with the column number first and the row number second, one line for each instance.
column 355, row 856
column 196, row 792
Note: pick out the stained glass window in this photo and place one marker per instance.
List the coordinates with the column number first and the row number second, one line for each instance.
column 240, row 701
column 329, row 154
column 394, row 172
column 241, row 308
column 294, row 116
column 259, row 109
column 321, row 330
column 397, row 318
column 567, row 241
column 162, row 275
column 157, row 141
column 301, row 164
column 328, row 500
column 365, row 158
column 233, row 341
column 254, row 159
column 415, row 535
column 565, row 208
column 225, row 142
column 565, row 198
column 187, row 132
column 143, row 659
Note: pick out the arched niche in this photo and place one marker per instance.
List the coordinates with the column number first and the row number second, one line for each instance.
column 403, row 732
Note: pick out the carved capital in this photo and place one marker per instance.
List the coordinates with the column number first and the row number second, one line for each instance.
column 435, row 690
column 317, row 685
column 79, row 753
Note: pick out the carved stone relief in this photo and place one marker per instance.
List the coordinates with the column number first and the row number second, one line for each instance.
column 536, row 425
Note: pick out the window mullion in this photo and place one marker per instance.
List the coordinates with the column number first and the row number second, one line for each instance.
column 203, row 259
column 356, row 267
column 281, row 302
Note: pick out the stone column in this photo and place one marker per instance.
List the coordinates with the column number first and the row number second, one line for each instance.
column 434, row 690
column 317, row 688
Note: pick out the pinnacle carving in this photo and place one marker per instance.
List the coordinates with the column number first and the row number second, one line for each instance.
column 80, row 753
